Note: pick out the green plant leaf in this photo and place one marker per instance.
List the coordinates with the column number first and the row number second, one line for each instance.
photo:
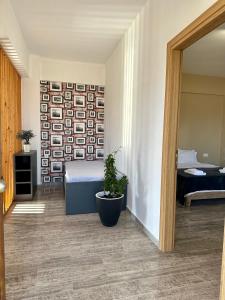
column 114, row 185
column 25, row 135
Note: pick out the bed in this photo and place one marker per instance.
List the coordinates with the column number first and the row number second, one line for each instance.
column 82, row 180
column 191, row 187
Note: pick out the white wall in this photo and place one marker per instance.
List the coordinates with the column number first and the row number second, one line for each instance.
column 10, row 30
column 53, row 70
column 114, row 90
column 158, row 22
column 59, row 70
column 31, row 105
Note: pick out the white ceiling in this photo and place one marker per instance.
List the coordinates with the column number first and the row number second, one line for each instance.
column 207, row 56
column 81, row 30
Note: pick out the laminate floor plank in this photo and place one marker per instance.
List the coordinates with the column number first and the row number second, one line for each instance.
column 52, row 256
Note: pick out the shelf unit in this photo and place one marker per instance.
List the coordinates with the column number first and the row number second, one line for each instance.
column 25, row 175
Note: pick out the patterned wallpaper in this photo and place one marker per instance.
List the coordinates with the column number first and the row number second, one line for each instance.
column 72, row 125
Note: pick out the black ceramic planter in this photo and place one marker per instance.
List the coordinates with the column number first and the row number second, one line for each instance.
column 109, row 209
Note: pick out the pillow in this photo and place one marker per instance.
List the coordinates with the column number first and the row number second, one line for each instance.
column 187, row 156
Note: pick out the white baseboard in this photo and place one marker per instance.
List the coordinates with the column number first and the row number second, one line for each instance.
column 143, row 228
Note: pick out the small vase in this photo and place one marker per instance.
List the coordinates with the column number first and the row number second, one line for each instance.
column 26, row 148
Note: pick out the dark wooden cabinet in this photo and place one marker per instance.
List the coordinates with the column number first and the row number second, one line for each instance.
column 25, row 175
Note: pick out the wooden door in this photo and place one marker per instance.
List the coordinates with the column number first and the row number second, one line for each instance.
column 2, row 257
column 2, row 209
column 10, row 124
column 2, row 254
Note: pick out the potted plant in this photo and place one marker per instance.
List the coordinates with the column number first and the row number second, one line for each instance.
column 25, row 135
column 109, row 202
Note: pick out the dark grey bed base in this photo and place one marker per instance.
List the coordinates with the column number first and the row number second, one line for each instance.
column 80, row 197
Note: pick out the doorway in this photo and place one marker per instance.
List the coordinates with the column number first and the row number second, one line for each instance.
column 208, row 21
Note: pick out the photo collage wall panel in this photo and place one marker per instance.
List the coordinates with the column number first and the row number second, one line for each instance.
column 72, row 126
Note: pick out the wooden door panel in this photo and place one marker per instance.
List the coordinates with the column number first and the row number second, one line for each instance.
column 2, row 256
column 10, row 124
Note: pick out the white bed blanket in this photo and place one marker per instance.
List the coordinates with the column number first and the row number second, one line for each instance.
column 195, row 165
column 81, row 171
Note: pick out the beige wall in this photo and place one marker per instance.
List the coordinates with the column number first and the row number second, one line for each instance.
column 202, row 117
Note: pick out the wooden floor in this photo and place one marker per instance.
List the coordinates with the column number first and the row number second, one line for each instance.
column 53, row 256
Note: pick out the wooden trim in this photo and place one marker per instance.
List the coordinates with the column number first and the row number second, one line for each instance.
column 168, row 201
column 204, row 24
